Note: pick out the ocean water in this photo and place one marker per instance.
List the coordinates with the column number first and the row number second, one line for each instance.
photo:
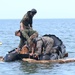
column 63, row 28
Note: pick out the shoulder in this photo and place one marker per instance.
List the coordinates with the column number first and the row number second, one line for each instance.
column 25, row 16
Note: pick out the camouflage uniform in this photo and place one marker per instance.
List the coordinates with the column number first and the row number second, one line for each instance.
column 25, row 36
column 44, row 46
column 27, row 18
column 27, row 24
column 27, row 21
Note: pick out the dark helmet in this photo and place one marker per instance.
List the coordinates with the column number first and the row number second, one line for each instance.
column 34, row 11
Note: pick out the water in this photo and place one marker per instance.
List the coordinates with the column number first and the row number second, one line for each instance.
column 63, row 28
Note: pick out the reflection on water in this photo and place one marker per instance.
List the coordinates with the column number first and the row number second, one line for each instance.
column 24, row 68
column 28, row 68
column 53, row 69
column 32, row 68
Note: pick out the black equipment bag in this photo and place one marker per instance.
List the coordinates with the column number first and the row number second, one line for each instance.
column 58, row 45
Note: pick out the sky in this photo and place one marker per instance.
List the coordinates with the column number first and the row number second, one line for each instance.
column 46, row 9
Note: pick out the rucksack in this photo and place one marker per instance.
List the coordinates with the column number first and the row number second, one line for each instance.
column 58, row 44
column 57, row 41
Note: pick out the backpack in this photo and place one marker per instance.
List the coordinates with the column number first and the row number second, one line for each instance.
column 57, row 41
column 58, row 44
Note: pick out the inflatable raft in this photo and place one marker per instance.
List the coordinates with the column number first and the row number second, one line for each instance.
column 58, row 46
column 65, row 60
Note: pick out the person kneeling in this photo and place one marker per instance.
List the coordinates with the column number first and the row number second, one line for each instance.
column 42, row 48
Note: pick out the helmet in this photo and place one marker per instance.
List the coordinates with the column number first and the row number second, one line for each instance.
column 34, row 11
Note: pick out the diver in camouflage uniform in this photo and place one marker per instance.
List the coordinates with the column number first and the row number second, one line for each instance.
column 26, row 22
column 41, row 47
column 48, row 47
column 25, row 39
column 26, row 25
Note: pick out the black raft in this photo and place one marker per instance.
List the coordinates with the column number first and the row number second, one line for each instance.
column 58, row 46
column 13, row 55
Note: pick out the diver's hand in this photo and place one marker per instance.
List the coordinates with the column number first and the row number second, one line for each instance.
column 31, row 54
column 35, row 56
column 17, row 50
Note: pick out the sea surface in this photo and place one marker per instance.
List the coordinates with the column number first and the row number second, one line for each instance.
column 62, row 28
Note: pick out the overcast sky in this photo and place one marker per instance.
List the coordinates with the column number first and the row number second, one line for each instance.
column 15, row 9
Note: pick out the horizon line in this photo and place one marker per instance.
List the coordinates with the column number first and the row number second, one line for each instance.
column 37, row 18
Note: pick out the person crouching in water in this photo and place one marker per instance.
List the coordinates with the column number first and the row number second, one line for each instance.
column 42, row 48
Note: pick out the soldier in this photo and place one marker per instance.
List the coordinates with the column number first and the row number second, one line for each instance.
column 41, row 47
column 26, row 22
column 24, row 38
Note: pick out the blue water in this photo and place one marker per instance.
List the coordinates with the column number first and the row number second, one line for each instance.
column 63, row 28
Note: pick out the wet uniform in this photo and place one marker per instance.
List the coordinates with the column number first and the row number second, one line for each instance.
column 43, row 47
column 27, row 21
column 27, row 24
column 25, row 37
